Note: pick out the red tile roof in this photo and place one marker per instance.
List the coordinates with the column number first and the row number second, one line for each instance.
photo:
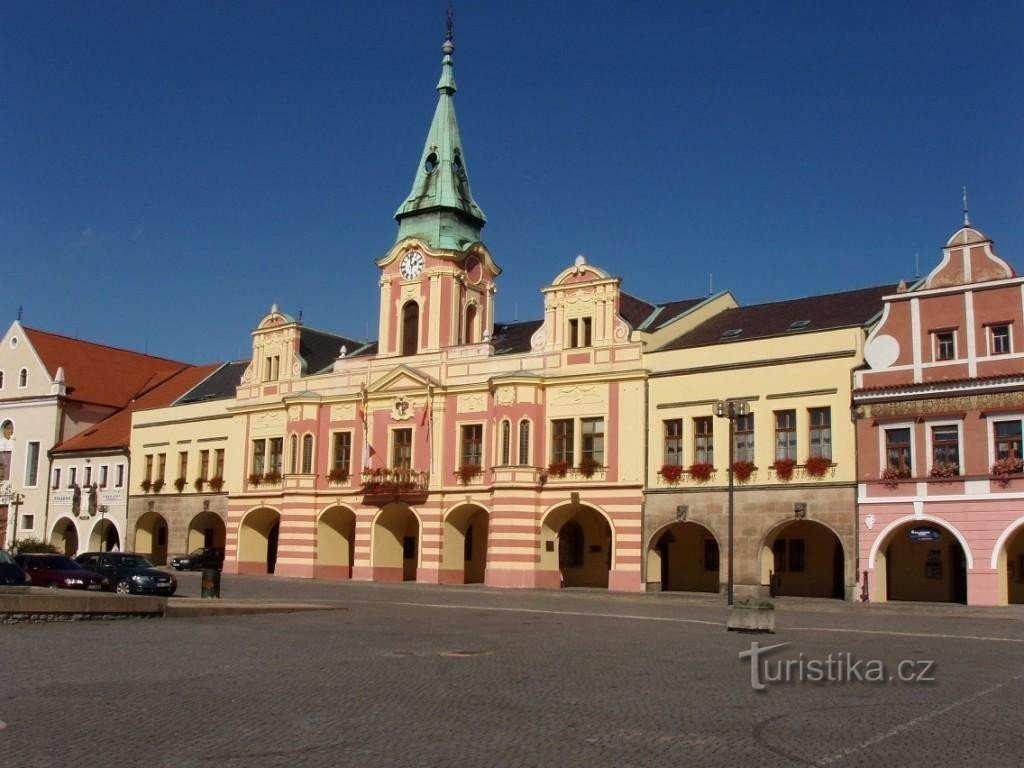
column 98, row 374
column 115, row 431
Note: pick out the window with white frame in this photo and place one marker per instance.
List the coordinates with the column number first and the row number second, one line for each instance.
column 32, row 465
column 743, row 438
column 28, row 521
column 506, row 443
column 704, row 440
column 945, row 449
column 307, row 454
column 820, row 436
column 56, row 478
column 999, row 339
column 1007, row 438
column 103, row 475
column 342, row 451
column 785, row 435
column 898, row 451
column 471, row 452
column 672, row 435
column 119, row 476
column 945, row 344
column 524, row 442
column 592, row 434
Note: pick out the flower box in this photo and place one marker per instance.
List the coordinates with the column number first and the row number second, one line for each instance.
column 945, row 469
column 337, row 476
column 179, row 484
column 784, row 468
column 467, row 472
column 272, row 477
column 256, row 479
column 742, row 470
column 558, row 468
column 157, row 485
column 1005, row 467
column 891, row 476
column 671, row 472
column 588, row 467
column 199, row 483
column 145, row 485
column 216, row 483
column 817, row 466
column 701, row 472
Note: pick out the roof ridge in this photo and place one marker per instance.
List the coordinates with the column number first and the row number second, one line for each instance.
column 103, row 346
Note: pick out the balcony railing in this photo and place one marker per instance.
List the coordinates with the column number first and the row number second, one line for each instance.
column 396, row 481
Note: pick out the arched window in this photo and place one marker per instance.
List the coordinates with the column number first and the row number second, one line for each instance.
column 1, row 379
column 410, row 328
column 570, row 545
column 506, row 443
column 293, row 452
column 23, row 378
column 307, row 455
column 524, row 442
column 471, row 324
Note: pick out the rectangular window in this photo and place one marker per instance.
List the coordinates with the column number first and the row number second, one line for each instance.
column 1000, row 339
column 704, row 440
column 5, row 466
column 218, row 463
column 820, row 438
column 401, row 451
column 592, row 432
column 307, row 455
column 28, row 522
column 161, row 467
column 506, row 443
column 119, row 476
column 562, row 448
column 581, row 331
column 32, row 465
column 103, row 475
column 524, row 442
column 72, row 477
column 945, row 446
column 88, row 476
column 897, row 450
column 56, row 477
column 183, row 464
column 472, row 445
column 574, row 333
column 1008, row 439
column 342, row 451
column 673, row 442
column 785, row 435
column 945, row 345
column 276, row 454
column 259, row 457
column 743, row 444
column 588, row 331
column 204, row 465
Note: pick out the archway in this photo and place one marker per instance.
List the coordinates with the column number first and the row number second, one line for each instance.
column 396, row 535
column 104, row 537
column 335, row 543
column 465, row 544
column 804, row 558
column 922, row 560
column 206, row 530
column 685, row 557
column 1013, row 557
column 257, row 541
column 151, row 538
column 579, row 543
column 65, row 537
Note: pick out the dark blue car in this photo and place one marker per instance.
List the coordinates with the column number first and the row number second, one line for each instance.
column 11, row 573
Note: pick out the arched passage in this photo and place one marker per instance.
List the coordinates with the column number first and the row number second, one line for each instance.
column 395, row 551
column 104, row 537
column 206, row 530
column 65, row 537
column 685, row 557
column 578, row 542
column 335, row 543
column 257, row 541
column 921, row 561
column 464, row 554
column 804, row 558
column 151, row 538
column 1013, row 566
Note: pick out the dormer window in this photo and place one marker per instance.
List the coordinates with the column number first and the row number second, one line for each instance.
column 580, row 332
column 797, row 325
column 732, row 333
column 945, row 345
column 271, row 367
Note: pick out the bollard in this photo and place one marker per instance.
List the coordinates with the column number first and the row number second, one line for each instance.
column 211, row 583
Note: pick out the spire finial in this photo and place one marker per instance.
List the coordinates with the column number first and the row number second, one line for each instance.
column 450, row 23
column 967, row 218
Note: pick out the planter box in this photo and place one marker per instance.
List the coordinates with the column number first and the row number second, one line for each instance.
column 747, row 619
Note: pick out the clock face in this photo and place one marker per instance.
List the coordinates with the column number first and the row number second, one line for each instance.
column 412, row 265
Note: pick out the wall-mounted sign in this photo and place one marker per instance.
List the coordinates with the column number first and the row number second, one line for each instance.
column 925, row 533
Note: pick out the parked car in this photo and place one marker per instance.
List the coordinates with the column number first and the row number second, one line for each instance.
column 60, row 572
column 204, row 557
column 129, row 573
column 11, row 573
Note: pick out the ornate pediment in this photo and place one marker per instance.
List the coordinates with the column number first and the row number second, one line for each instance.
column 402, row 378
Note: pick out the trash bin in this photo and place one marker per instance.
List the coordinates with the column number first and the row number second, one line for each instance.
column 211, row 583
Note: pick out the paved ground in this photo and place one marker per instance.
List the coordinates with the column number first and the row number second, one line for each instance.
column 413, row 675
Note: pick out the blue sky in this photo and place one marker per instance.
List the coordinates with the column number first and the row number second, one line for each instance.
column 168, row 170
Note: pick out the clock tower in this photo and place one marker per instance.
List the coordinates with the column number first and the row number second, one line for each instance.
column 437, row 281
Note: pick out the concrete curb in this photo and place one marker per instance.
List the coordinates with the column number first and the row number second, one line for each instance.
column 180, row 608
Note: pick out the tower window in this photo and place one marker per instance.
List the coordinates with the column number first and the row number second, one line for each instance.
column 430, row 164
column 410, row 328
column 470, row 330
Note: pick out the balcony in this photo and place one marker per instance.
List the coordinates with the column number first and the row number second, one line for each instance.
column 397, row 481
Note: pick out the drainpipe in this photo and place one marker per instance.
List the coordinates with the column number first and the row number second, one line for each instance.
column 646, row 476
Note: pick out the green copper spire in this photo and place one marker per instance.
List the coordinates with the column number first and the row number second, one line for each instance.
column 440, row 209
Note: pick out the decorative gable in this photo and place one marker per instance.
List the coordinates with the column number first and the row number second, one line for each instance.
column 968, row 257
column 581, row 309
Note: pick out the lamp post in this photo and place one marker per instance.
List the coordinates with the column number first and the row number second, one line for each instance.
column 731, row 410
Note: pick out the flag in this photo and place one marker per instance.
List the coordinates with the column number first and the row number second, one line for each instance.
column 426, row 411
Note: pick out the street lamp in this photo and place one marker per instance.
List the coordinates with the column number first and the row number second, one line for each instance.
column 731, row 410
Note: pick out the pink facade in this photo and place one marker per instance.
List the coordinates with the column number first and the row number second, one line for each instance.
column 940, row 409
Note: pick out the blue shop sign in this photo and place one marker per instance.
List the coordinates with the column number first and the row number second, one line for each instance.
column 925, row 533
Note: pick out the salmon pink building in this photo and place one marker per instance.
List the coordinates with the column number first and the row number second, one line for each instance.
column 939, row 409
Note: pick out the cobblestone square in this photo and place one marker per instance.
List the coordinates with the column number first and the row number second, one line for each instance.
column 414, row 675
